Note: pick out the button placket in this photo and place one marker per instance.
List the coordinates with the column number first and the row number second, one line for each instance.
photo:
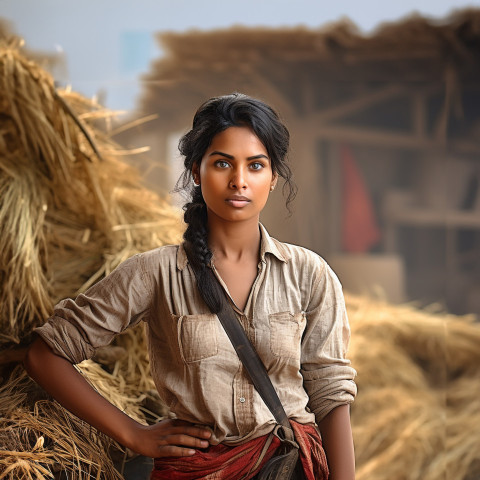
column 243, row 405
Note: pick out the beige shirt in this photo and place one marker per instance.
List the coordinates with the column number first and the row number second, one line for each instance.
column 295, row 316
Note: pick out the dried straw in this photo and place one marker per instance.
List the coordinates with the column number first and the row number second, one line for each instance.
column 37, row 444
column 418, row 381
column 70, row 211
column 66, row 217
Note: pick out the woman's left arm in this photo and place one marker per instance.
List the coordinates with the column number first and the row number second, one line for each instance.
column 327, row 372
column 337, row 441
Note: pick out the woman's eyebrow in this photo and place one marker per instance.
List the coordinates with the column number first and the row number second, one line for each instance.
column 216, row 152
column 231, row 157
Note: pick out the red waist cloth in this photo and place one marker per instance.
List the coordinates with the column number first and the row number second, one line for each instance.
column 221, row 462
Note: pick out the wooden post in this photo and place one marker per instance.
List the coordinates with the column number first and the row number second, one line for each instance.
column 334, row 194
column 310, row 215
column 419, row 115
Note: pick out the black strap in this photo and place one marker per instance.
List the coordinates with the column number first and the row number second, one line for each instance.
column 250, row 359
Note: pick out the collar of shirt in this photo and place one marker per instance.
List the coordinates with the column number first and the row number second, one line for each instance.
column 267, row 245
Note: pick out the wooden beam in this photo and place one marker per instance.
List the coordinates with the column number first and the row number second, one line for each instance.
column 434, row 217
column 353, row 106
column 419, row 114
column 279, row 100
column 307, row 94
column 333, row 207
column 452, row 103
column 391, row 139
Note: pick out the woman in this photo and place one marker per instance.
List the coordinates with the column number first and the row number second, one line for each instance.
column 286, row 298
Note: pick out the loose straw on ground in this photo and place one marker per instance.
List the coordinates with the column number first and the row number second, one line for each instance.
column 418, row 404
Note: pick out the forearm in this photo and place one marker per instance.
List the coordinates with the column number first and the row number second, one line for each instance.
column 337, row 440
column 61, row 380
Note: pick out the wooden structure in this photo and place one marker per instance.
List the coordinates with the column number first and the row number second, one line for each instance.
column 405, row 99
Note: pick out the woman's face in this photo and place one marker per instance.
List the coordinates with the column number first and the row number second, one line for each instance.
column 235, row 175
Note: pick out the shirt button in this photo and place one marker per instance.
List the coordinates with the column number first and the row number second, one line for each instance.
column 242, row 399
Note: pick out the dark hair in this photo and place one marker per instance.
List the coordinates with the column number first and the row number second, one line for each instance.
column 214, row 116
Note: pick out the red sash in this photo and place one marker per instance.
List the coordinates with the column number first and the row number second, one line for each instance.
column 221, row 462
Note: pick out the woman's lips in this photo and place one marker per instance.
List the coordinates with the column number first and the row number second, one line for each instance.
column 238, row 202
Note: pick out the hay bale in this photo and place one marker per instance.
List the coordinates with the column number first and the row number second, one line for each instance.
column 40, row 442
column 418, row 381
column 70, row 211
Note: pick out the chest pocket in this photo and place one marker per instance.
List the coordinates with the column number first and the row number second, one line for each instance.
column 286, row 331
column 197, row 336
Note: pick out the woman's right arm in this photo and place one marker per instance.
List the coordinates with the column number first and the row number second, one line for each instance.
column 61, row 380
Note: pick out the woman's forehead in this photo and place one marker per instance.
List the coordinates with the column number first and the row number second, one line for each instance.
column 237, row 138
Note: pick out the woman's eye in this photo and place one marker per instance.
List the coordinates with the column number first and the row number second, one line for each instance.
column 221, row 164
column 256, row 166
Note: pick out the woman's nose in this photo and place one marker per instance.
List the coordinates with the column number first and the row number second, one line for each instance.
column 238, row 180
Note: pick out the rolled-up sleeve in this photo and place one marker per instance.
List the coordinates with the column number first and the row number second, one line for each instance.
column 120, row 300
column 328, row 376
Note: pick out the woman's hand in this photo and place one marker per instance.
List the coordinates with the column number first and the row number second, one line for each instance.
column 168, row 438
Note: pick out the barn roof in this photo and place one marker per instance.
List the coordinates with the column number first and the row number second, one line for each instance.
column 300, row 69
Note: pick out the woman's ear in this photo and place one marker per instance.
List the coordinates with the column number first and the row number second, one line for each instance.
column 274, row 182
column 196, row 174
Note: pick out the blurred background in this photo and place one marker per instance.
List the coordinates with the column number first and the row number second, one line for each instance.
column 382, row 100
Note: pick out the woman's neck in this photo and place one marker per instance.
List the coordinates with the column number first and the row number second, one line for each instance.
column 234, row 241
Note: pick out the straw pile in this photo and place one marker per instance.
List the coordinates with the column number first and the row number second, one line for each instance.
column 37, row 443
column 65, row 213
column 418, row 409
column 40, row 438
column 70, row 211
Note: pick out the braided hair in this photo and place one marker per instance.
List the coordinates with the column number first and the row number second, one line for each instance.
column 214, row 116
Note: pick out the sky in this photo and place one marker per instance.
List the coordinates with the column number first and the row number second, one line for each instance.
column 107, row 44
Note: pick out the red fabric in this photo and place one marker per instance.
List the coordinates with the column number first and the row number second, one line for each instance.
column 312, row 454
column 221, row 462
column 359, row 227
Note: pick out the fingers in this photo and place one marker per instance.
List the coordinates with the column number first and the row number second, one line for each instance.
column 191, row 431
column 174, row 451
column 181, row 427
column 174, row 445
column 184, row 440
column 176, row 438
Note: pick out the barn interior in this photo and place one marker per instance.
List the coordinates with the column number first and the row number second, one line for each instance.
column 394, row 112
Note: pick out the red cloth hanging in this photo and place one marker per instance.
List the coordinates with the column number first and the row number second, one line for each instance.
column 360, row 231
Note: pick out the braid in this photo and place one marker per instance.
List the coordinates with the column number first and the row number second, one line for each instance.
column 198, row 252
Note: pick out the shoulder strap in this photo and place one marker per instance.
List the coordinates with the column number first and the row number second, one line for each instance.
column 250, row 359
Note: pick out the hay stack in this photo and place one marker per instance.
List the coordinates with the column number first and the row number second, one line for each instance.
column 70, row 211
column 418, row 407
